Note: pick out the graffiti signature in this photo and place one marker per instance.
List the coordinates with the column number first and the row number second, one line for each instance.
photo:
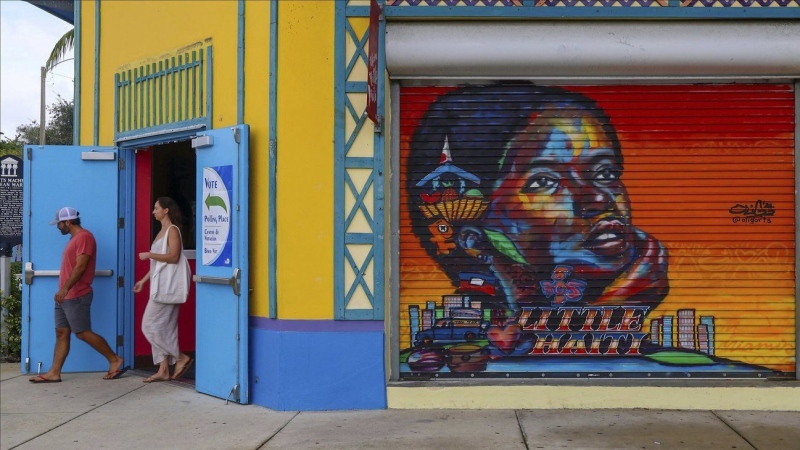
column 758, row 209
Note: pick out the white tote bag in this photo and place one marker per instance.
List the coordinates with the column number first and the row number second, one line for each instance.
column 170, row 282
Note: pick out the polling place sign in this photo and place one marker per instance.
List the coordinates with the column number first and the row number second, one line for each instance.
column 217, row 248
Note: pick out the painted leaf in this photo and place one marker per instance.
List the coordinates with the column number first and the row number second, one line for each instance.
column 680, row 358
column 504, row 245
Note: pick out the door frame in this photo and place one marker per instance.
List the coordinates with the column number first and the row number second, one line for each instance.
column 127, row 152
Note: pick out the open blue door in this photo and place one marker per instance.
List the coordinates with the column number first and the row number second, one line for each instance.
column 87, row 179
column 222, row 263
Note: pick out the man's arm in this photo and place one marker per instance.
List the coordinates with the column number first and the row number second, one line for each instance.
column 81, row 262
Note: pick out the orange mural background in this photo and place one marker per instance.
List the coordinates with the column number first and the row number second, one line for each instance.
column 691, row 153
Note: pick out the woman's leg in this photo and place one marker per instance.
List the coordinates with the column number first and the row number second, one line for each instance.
column 159, row 325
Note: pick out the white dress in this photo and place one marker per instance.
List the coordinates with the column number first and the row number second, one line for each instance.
column 160, row 322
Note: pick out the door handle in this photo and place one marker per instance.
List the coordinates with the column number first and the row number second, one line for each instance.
column 234, row 281
column 30, row 273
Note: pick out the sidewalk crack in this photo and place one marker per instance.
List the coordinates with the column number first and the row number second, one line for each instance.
column 734, row 429
column 521, row 430
column 70, row 420
column 279, row 430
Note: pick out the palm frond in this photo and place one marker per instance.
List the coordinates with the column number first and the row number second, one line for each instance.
column 64, row 45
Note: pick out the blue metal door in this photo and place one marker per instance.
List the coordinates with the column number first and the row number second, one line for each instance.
column 87, row 179
column 222, row 263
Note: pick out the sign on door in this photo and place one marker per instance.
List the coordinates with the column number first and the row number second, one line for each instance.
column 216, row 225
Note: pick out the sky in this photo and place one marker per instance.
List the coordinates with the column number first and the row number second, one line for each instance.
column 27, row 35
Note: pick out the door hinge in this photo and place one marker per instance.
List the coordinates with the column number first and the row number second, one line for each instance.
column 121, row 223
column 30, row 154
column 236, row 136
column 120, row 281
column 121, row 164
column 120, row 341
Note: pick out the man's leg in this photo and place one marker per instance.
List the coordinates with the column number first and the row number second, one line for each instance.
column 98, row 343
column 59, row 356
column 78, row 312
column 61, row 349
column 60, row 353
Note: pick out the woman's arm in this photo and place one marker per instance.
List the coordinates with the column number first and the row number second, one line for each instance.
column 174, row 245
column 140, row 284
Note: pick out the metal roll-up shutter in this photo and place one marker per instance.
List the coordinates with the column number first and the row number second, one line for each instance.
column 640, row 231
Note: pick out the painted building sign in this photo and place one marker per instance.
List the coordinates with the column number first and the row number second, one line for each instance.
column 216, row 216
column 641, row 230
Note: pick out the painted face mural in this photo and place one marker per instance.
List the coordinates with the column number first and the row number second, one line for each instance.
column 553, row 200
column 518, row 194
column 561, row 202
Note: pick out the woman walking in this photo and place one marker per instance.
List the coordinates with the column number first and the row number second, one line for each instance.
column 160, row 320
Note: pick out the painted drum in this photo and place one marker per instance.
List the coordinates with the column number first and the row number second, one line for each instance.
column 467, row 358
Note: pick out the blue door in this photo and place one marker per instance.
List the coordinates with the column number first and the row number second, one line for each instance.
column 222, row 263
column 85, row 178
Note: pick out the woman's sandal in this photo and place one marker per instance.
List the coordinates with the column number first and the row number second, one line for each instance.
column 179, row 371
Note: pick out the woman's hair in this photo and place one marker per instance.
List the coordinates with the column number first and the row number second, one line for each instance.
column 174, row 211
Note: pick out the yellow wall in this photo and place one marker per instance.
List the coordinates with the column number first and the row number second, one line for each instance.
column 744, row 396
column 147, row 30
column 305, row 159
column 87, row 55
column 256, row 114
column 132, row 32
column 305, row 123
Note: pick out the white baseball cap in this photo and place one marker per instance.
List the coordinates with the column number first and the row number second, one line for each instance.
column 65, row 213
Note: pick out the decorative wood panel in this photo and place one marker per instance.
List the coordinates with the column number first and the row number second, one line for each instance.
column 164, row 94
column 359, row 247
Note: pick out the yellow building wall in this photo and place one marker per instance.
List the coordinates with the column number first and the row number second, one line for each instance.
column 305, row 159
column 87, row 55
column 304, row 125
column 131, row 32
column 150, row 28
column 256, row 114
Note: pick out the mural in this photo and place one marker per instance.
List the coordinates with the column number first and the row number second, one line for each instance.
column 521, row 253
column 589, row 3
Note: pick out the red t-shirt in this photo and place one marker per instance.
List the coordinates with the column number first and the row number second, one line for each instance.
column 82, row 243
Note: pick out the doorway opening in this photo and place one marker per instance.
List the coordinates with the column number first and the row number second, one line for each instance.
column 166, row 170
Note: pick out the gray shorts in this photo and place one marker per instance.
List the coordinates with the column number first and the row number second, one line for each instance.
column 74, row 313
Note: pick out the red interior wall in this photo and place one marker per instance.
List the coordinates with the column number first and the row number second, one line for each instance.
column 142, row 232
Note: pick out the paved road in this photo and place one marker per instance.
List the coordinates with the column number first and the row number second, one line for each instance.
column 85, row 412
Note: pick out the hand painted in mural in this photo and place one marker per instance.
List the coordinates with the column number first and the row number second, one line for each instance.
column 528, row 180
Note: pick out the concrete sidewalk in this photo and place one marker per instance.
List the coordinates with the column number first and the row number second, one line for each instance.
column 85, row 411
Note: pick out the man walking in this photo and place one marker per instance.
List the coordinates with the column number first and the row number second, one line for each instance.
column 74, row 299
